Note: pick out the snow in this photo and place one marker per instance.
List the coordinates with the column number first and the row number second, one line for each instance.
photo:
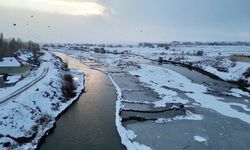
column 31, row 77
column 32, row 112
column 162, row 77
column 126, row 135
column 131, row 134
column 214, row 57
column 239, row 92
column 200, row 139
column 214, row 60
column 233, row 74
column 9, row 62
column 189, row 116
column 13, row 78
column 25, row 56
column 172, row 79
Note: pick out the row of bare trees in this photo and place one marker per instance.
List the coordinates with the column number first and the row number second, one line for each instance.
column 9, row 46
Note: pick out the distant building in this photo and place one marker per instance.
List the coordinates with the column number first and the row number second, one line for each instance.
column 14, row 66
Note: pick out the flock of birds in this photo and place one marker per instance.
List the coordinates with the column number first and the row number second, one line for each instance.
column 32, row 16
column 38, row 36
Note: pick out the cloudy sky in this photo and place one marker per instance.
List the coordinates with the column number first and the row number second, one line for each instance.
column 126, row 20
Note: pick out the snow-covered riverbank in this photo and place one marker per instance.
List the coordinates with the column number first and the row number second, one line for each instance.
column 26, row 118
column 127, row 136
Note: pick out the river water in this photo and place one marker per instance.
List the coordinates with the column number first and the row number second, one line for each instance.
column 90, row 122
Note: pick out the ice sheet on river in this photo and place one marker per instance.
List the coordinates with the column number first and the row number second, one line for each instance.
column 158, row 77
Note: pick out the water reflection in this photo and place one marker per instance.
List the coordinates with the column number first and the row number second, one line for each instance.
column 89, row 123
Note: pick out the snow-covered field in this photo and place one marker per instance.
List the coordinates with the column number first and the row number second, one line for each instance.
column 214, row 59
column 25, row 118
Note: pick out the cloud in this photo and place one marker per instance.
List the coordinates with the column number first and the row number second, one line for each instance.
column 66, row 7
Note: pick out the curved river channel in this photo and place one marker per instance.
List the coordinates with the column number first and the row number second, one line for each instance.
column 90, row 122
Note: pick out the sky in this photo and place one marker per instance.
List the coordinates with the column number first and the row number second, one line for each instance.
column 117, row 21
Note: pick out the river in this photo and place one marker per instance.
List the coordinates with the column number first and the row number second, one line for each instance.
column 90, row 122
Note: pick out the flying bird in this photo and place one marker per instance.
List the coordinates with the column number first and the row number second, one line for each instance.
column 14, row 24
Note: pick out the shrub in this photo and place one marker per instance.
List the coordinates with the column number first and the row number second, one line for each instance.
column 68, row 86
column 247, row 73
column 199, row 53
column 44, row 119
column 160, row 59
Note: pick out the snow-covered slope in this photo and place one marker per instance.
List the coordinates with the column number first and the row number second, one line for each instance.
column 26, row 118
